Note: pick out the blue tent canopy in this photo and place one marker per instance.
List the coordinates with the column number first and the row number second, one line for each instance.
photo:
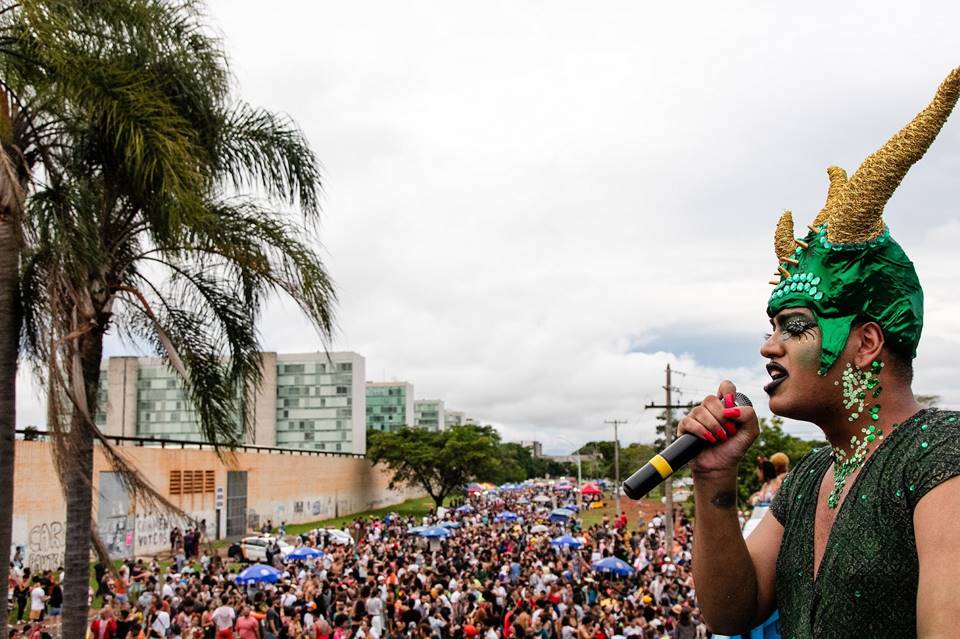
column 434, row 532
column 613, row 565
column 566, row 540
column 259, row 573
column 304, row 552
column 507, row 516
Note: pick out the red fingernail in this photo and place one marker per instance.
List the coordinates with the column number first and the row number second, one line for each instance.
column 731, row 412
column 709, row 437
column 730, row 427
column 728, row 400
column 722, row 435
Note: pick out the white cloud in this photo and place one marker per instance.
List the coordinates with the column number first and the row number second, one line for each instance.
column 517, row 193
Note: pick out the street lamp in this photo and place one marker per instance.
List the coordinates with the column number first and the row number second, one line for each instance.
column 579, row 471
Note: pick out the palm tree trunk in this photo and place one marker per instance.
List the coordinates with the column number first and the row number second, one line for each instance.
column 78, row 491
column 10, row 318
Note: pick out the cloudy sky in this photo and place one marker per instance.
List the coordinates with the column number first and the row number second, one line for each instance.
column 533, row 207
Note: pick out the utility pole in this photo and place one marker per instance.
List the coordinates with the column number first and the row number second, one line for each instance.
column 668, row 435
column 579, row 473
column 616, row 460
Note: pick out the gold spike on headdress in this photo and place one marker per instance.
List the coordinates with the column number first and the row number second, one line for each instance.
column 857, row 213
column 838, row 179
column 783, row 243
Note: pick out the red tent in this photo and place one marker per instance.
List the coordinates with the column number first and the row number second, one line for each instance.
column 590, row 489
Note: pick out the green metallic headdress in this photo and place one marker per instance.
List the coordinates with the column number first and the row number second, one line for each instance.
column 847, row 267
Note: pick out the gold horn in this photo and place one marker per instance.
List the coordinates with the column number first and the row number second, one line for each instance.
column 783, row 244
column 858, row 214
column 838, row 179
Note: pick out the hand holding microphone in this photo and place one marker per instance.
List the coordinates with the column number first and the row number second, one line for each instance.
column 713, row 437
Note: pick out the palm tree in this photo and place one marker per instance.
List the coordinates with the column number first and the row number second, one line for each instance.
column 28, row 96
column 143, row 233
column 13, row 184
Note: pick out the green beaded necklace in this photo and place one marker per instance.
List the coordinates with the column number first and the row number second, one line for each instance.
column 856, row 384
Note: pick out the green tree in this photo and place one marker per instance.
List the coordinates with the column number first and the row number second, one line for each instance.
column 634, row 456
column 555, row 468
column 138, row 235
column 772, row 440
column 37, row 78
column 519, row 464
column 439, row 462
column 597, row 458
column 927, row 401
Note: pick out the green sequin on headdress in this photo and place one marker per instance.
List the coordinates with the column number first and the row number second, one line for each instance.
column 848, row 268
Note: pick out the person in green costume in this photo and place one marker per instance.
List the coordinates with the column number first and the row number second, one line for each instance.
column 861, row 540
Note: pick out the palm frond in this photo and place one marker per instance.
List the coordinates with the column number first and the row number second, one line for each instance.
column 257, row 148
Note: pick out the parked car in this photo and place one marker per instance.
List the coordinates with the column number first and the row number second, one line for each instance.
column 254, row 549
column 333, row 536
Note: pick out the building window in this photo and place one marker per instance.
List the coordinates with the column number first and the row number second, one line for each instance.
column 341, row 390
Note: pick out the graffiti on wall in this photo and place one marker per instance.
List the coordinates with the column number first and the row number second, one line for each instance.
column 115, row 523
column 45, row 544
column 153, row 529
column 324, row 507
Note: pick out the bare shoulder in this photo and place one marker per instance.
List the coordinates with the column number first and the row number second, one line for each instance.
column 938, row 553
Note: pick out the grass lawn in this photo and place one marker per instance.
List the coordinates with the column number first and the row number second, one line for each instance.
column 632, row 508
column 412, row 507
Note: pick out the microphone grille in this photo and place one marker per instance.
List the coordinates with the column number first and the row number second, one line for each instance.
column 741, row 400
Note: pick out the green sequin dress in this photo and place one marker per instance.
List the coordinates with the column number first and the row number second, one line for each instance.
column 867, row 584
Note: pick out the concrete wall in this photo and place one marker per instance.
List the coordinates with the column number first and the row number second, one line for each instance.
column 263, row 404
column 121, row 409
column 280, row 486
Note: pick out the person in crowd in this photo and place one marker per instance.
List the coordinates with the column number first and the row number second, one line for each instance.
column 489, row 579
column 104, row 626
column 768, row 484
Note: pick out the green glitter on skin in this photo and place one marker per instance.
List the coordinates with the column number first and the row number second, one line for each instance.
column 846, row 462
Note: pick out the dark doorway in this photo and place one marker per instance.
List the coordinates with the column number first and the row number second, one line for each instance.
column 236, row 503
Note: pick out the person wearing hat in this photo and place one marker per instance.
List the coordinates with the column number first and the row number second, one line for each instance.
column 860, row 539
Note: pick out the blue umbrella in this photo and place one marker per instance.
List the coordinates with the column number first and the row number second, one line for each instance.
column 304, row 552
column 434, row 532
column 562, row 512
column 507, row 516
column 466, row 508
column 566, row 540
column 258, row 572
column 449, row 524
column 572, row 507
column 416, row 530
column 613, row 565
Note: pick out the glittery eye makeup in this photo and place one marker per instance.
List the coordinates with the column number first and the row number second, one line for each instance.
column 797, row 325
column 794, row 326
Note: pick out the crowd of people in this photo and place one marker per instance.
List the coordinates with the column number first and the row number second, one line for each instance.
column 491, row 578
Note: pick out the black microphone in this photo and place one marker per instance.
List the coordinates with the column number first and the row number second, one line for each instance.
column 670, row 460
